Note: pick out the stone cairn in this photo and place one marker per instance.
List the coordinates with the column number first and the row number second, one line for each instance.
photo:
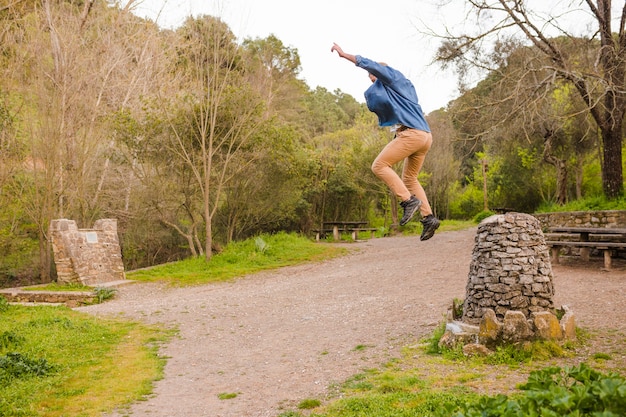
column 87, row 256
column 509, row 289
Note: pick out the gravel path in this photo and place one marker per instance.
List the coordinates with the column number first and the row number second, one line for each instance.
column 279, row 337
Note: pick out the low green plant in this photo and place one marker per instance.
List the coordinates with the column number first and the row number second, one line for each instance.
column 104, row 293
column 16, row 365
column 432, row 342
column 602, row 356
column 227, row 395
column 359, row 348
column 553, row 391
column 457, row 308
column 261, row 244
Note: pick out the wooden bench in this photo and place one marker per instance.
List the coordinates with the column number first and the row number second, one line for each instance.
column 606, row 247
column 372, row 230
column 354, row 231
column 320, row 233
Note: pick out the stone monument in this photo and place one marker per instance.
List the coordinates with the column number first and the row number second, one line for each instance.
column 509, row 289
column 87, row 256
column 510, row 268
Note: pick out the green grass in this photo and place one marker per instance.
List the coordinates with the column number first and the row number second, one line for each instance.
column 585, row 204
column 240, row 258
column 57, row 362
column 54, row 286
column 227, row 395
column 309, row 403
column 415, row 227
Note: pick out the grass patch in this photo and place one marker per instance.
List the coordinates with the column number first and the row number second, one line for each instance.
column 54, row 286
column 585, row 204
column 309, row 404
column 58, row 362
column 241, row 258
column 360, row 348
column 415, row 227
column 602, row 356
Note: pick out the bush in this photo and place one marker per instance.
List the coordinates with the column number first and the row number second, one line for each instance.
column 16, row 365
column 483, row 215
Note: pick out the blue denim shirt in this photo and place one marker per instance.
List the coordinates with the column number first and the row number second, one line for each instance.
column 392, row 97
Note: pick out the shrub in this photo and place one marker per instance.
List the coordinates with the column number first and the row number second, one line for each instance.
column 16, row 365
column 483, row 215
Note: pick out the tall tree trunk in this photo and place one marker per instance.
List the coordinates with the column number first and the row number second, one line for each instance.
column 612, row 175
column 561, row 169
column 579, row 178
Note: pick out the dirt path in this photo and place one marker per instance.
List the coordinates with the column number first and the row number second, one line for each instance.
column 279, row 337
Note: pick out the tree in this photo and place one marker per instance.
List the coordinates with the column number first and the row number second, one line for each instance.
column 600, row 84
column 220, row 112
column 441, row 164
column 274, row 71
column 504, row 111
column 61, row 84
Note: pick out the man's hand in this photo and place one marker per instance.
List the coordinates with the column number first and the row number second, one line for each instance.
column 337, row 48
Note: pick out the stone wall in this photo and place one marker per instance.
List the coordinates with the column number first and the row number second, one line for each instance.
column 600, row 218
column 86, row 256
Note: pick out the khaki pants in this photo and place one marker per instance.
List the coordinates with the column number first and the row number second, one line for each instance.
column 410, row 145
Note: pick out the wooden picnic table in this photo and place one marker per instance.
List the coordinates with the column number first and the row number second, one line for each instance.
column 338, row 226
column 585, row 232
column 606, row 239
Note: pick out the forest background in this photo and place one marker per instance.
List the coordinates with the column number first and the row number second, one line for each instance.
column 192, row 139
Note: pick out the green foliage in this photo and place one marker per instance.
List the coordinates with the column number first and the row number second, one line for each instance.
column 10, row 340
column 240, row 258
column 15, row 365
column 4, row 304
column 432, row 343
column 261, row 244
column 483, row 215
column 457, row 308
column 465, row 202
column 18, row 247
column 104, row 293
column 572, row 391
column 517, row 179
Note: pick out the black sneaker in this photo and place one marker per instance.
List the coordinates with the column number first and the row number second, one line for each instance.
column 410, row 207
column 430, row 224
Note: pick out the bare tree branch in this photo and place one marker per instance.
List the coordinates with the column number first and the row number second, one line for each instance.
column 86, row 9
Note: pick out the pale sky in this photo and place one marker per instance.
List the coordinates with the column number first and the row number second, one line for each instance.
column 380, row 30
